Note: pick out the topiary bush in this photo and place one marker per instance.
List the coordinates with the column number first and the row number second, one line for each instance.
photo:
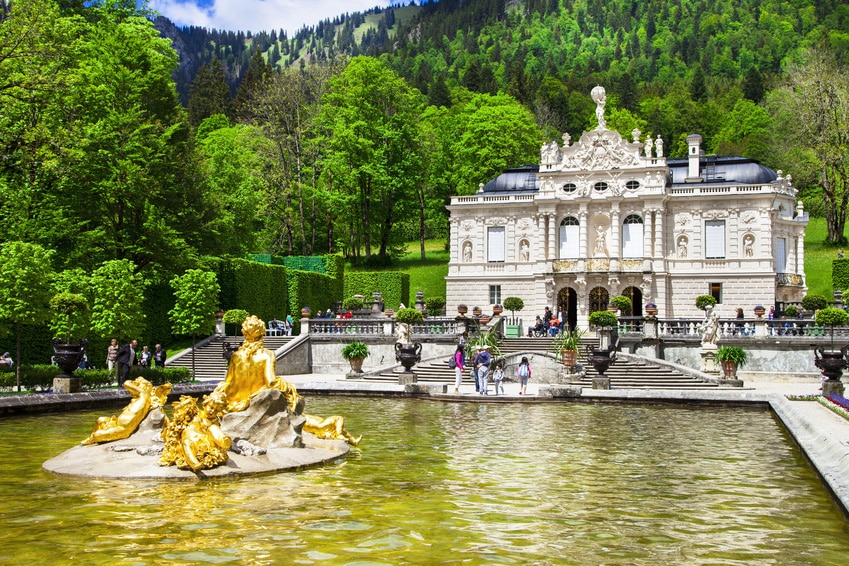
column 814, row 302
column 603, row 318
column 703, row 301
column 622, row 303
column 791, row 311
column 352, row 304
column 434, row 305
column 409, row 316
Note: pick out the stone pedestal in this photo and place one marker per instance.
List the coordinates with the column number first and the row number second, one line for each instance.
column 65, row 384
column 709, row 364
column 731, row 382
column 601, row 383
column 832, row 387
column 407, row 378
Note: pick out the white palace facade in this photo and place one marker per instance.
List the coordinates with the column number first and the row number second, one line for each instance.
column 606, row 216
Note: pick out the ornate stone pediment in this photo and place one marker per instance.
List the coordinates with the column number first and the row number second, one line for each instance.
column 599, row 150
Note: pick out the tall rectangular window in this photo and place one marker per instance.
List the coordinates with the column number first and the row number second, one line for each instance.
column 781, row 255
column 715, row 239
column 495, row 294
column 569, row 240
column 716, row 291
column 632, row 240
column 495, row 243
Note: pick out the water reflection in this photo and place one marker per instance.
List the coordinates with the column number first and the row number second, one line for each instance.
column 432, row 483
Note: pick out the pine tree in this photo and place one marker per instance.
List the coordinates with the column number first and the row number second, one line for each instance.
column 257, row 74
column 209, row 94
column 753, row 85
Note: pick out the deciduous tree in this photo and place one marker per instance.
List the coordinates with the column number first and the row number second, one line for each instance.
column 196, row 294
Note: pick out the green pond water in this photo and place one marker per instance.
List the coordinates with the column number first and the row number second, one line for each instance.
column 436, row 483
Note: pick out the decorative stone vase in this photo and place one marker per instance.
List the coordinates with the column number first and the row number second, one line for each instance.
column 463, row 309
column 570, row 358
column 484, row 320
column 305, row 312
column 651, row 311
column 356, row 365
column 497, row 310
column 389, row 313
column 760, row 312
column 601, row 359
column 476, row 311
column 832, row 363
column 612, row 308
column 729, row 368
column 68, row 356
column 408, row 354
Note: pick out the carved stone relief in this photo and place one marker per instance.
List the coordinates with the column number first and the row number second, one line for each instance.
column 682, row 247
column 749, row 245
column 524, row 251
column 467, row 252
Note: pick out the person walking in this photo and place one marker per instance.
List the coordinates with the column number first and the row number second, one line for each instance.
column 111, row 354
column 126, row 358
column 523, row 373
column 497, row 377
column 159, row 356
column 459, row 366
column 145, row 357
column 483, row 361
column 478, row 350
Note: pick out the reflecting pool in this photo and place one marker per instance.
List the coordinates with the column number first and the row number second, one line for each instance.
column 448, row 483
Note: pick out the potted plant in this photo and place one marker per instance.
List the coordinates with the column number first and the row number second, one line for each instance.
column 565, row 345
column 513, row 304
column 703, row 301
column 235, row 317
column 622, row 303
column 434, row 305
column 791, row 311
column 603, row 319
column 476, row 311
column 406, row 351
column 462, row 309
column 497, row 309
column 306, row 312
column 833, row 362
column 651, row 309
column 355, row 353
column 814, row 302
column 731, row 358
column 759, row 311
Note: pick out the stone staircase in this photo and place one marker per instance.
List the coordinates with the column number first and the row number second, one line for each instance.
column 210, row 364
column 624, row 374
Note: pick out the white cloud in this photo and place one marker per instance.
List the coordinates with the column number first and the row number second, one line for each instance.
column 258, row 15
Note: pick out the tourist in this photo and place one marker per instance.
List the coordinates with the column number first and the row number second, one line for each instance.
column 274, row 324
column 459, row 365
column 159, row 356
column 478, row 351
column 290, row 324
column 6, row 360
column 482, row 362
column 740, row 317
column 538, row 328
column 523, row 373
column 553, row 326
column 560, row 319
column 145, row 357
column 111, row 354
column 498, row 377
column 546, row 316
column 126, row 358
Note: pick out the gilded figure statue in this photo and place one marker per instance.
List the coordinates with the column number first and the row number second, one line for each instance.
column 145, row 396
column 193, row 438
column 330, row 428
column 252, row 369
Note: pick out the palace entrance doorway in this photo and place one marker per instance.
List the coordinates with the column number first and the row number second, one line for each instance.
column 567, row 301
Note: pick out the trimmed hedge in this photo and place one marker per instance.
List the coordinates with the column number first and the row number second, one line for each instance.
column 258, row 288
column 39, row 377
column 394, row 285
column 840, row 274
column 310, row 289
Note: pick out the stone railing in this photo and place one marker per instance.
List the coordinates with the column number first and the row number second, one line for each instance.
column 374, row 327
column 748, row 328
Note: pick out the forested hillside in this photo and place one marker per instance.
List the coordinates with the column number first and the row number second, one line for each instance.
column 119, row 144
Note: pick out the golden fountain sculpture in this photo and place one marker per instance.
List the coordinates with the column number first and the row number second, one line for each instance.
column 193, row 436
column 145, row 396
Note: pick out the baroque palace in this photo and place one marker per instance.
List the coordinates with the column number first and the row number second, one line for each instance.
column 606, row 216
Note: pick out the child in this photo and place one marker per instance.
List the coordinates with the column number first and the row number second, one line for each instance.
column 497, row 376
column 523, row 374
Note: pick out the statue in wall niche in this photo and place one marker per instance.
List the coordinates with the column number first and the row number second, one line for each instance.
column 524, row 251
column 749, row 245
column 467, row 252
column 599, row 96
column 682, row 248
column 600, row 240
column 146, row 398
column 658, row 147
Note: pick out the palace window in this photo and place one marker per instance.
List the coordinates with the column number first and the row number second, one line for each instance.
column 716, row 292
column 715, row 239
column 632, row 185
column 781, row 255
column 495, row 243
column 632, row 237
column 569, row 238
column 495, row 294
column 570, row 188
column 600, row 187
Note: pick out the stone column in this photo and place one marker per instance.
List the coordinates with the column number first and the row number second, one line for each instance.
column 615, row 238
column 541, row 234
column 800, row 255
column 659, row 251
column 583, row 253
column 552, row 236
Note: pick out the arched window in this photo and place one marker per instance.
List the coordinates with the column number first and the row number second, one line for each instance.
column 632, row 237
column 570, row 233
column 599, row 298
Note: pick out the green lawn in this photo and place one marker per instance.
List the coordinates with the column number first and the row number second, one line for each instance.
column 818, row 258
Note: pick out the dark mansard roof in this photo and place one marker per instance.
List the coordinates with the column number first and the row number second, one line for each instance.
column 714, row 169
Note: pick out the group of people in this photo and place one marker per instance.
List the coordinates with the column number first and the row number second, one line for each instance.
column 480, row 366
column 548, row 324
column 121, row 358
column 284, row 326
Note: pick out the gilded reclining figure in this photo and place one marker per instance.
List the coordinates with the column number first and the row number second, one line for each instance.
column 193, row 438
column 145, row 398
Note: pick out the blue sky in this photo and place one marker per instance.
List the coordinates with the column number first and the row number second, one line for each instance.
column 258, row 15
